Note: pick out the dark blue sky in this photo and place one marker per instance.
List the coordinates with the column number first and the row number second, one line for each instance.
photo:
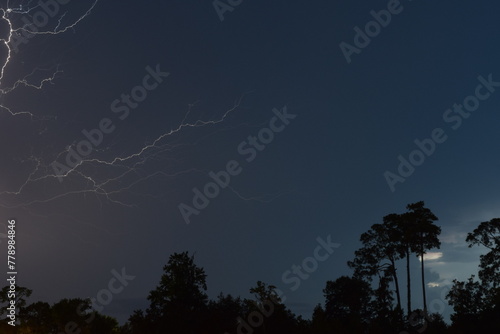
column 322, row 175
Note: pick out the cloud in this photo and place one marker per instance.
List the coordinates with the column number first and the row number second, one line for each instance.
column 432, row 256
column 453, row 237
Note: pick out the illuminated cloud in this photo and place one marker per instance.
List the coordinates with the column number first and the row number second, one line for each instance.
column 432, row 256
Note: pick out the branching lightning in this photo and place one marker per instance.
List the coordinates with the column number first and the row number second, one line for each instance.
column 115, row 179
column 122, row 172
column 23, row 33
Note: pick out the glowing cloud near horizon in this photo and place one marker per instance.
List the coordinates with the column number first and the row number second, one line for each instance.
column 432, row 256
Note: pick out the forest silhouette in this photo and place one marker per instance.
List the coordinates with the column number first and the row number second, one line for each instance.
column 368, row 301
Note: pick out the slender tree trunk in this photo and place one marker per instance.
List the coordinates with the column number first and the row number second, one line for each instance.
column 423, row 281
column 408, row 275
column 396, row 283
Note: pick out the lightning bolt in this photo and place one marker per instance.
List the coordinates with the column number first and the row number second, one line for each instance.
column 7, row 17
column 123, row 173
column 107, row 177
column 37, row 79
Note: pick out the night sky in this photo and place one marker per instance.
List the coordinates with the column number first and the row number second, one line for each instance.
column 305, row 121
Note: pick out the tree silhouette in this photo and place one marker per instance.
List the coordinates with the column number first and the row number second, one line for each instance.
column 138, row 323
column 38, row 317
column 477, row 303
column 22, row 294
column 487, row 234
column 319, row 324
column 223, row 313
column 103, row 324
column 425, row 235
column 179, row 301
column 393, row 248
column 467, row 300
column 356, row 304
column 64, row 312
column 381, row 242
column 347, row 302
column 406, row 230
column 276, row 316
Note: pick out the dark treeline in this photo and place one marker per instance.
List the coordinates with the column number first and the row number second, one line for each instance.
column 369, row 301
